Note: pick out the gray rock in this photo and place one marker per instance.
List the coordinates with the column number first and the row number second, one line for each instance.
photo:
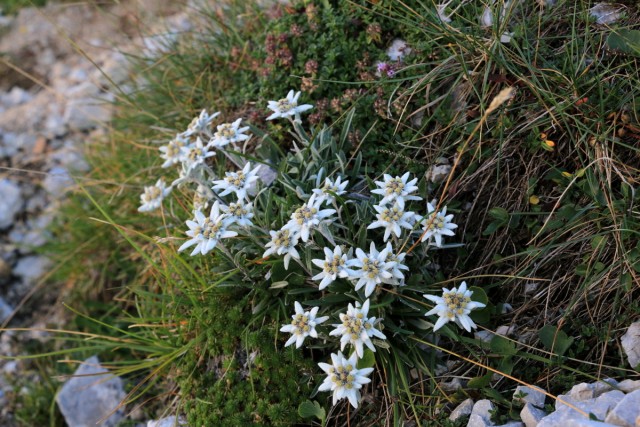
column 172, row 421
column 438, row 173
column 90, row 395
column 10, row 202
column 629, row 385
column 626, row 411
column 631, row 344
column 606, row 13
column 86, row 113
column 506, row 330
column 485, row 336
column 533, row 395
column 531, row 415
column 584, row 391
column 57, row 182
column 478, row 421
column 462, row 410
column 481, row 414
column 560, row 419
column 5, row 310
column 15, row 96
column 31, row 268
column 599, row 407
column 512, row 424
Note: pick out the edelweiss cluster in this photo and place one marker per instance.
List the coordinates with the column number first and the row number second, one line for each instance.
column 367, row 271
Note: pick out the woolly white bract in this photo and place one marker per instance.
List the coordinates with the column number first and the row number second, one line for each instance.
column 454, row 306
column 207, row 231
column 357, row 329
column 153, row 195
column 437, row 224
column 194, row 155
column 287, row 107
column 374, row 269
column 229, row 133
column 239, row 182
column 303, row 325
column 343, row 378
column 173, row 152
column 327, row 193
column 200, row 123
column 396, row 189
column 398, row 265
column 336, row 264
column 393, row 218
column 307, row 217
column 283, row 242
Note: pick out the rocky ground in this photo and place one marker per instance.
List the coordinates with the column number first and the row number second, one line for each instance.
column 61, row 67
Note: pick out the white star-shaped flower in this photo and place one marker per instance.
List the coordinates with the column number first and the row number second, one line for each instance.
column 398, row 266
column 307, row 217
column 454, row 306
column 207, row 231
column 396, row 189
column 153, row 195
column 239, row 182
column 303, row 325
column 173, row 152
column 240, row 213
column 357, row 329
column 392, row 218
column 327, row 193
column 200, row 123
column 229, row 133
column 343, row 378
column 283, row 242
column 336, row 264
column 437, row 224
column 287, row 107
column 374, row 269
column 194, row 155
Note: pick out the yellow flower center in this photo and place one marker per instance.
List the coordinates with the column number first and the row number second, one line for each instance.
column 284, row 105
column 304, row 214
column 236, row 179
column 226, row 131
column 371, row 268
column 391, row 214
column 333, row 266
column 436, row 221
column 151, row 193
column 210, row 229
column 236, row 209
column 282, row 239
column 456, row 302
column 394, row 186
column 301, row 324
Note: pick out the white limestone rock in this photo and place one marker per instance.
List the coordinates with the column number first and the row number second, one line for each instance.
column 31, row 268
column 629, row 386
column 599, row 406
column 481, row 414
column 533, row 395
column 90, row 395
column 462, row 410
column 10, row 202
column 531, row 415
column 171, row 421
column 626, row 411
column 631, row 344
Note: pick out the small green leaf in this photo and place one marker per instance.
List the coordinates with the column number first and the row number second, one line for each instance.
column 499, row 214
column 479, row 295
column 367, row 361
column 503, row 346
column 625, row 41
column 555, row 339
column 310, row 409
column 480, row 382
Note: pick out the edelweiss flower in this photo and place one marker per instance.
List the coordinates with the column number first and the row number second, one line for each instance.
column 173, row 152
column 327, row 193
column 343, row 378
column 357, row 329
column 283, row 242
column 207, row 231
column 437, row 224
column 333, row 266
column 240, row 213
column 396, row 189
column 229, row 133
column 303, row 325
column 238, row 182
column 287, row 107
column 200, row 123
column 374, row 269
column 201, row 198
column 153, row 195
column 397, row 260
column 454, row 305
column 195, row 154
column 392, row 218
column 307, row 217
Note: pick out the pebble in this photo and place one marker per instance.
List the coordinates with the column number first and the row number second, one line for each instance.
column 171, row 421
column 462, row 410
column 10, row 202
column 31, row 268
column 531, row 415
column 91, row 395
column 631, row 344
column 532, row 395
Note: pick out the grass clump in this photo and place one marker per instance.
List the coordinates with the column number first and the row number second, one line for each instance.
column 542, row 188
